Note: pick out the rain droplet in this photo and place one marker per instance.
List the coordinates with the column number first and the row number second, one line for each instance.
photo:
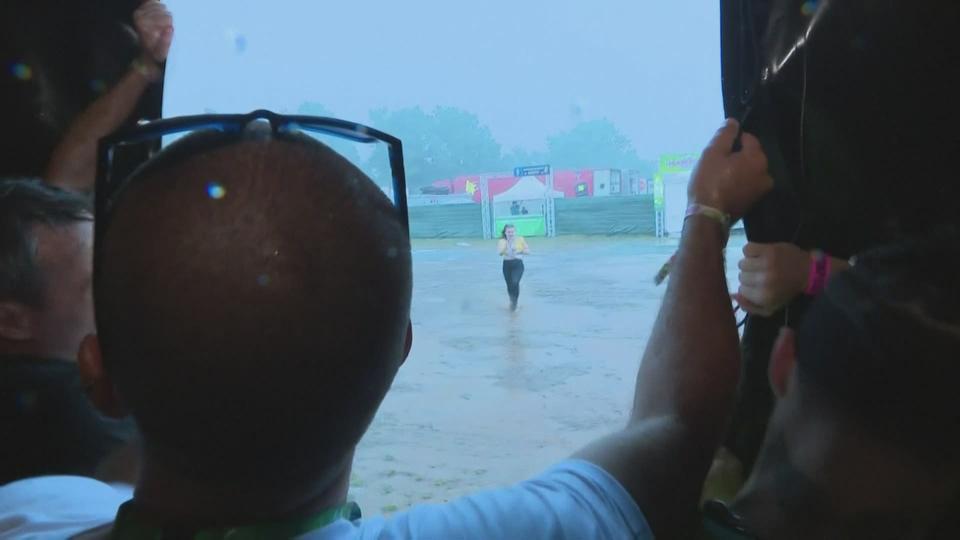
column 215, row 190
column 21, row 71
column 808, row 7
column 263, row 280
column 392, row 252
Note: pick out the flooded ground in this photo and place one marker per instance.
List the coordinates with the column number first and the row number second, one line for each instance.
column 489, row 397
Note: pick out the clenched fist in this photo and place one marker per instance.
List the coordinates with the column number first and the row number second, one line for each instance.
column 154, row 25
column 730, row 181
column 771, row 275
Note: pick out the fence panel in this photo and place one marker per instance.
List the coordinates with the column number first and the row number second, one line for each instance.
column 606, row 215
column 446, row 221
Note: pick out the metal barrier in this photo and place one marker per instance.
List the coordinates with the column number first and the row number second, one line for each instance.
column 586, row 215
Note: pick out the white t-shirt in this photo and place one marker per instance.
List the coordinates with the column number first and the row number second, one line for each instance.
column 573, row 500
column 57, row 507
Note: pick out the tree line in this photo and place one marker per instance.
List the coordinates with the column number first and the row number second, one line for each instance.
column 446, row 142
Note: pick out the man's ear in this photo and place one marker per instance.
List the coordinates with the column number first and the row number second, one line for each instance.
column 99, row 386
column 17, row 322
column 409, row 344
column 783, row 360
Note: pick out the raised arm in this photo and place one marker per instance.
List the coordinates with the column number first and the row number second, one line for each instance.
column 73, row 162
column 690, row 369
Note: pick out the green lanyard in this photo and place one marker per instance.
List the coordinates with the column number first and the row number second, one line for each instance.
column 129, row 525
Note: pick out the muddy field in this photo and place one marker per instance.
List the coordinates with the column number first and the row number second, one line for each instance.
column 489, row 397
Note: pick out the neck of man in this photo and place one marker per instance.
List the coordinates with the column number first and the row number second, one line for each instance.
column 779, row 501
column 164, row 494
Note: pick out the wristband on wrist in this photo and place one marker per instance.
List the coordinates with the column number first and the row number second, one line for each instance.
column 664, row 270
column 820, row 264
column 715, row 214
column 710, row 212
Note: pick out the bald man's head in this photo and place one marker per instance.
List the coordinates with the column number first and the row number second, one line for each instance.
column 253, row 297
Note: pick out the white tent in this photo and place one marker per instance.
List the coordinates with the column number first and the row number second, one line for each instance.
column 526, row 189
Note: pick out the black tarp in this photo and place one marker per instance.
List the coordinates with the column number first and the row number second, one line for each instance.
column 873, row 84
column 855, row 104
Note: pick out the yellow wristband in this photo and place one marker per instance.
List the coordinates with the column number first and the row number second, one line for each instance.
column 710, row 212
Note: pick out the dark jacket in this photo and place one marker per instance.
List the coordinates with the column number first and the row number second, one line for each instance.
column 47, row 425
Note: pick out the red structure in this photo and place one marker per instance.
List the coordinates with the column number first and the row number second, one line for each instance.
column 566, row 181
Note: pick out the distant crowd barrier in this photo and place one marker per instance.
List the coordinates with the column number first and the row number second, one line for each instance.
column 608, row 216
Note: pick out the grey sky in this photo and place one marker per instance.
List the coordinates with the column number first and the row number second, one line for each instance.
column 527, row 68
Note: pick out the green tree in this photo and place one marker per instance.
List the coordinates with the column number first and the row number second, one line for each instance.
column 344, row 147
column 595, row 144
column 519, row 157
column 440, row 144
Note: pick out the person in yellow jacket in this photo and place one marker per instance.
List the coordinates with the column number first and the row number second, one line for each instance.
column 512, row 248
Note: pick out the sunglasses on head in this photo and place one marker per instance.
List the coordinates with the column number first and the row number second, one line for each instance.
column 111, row 178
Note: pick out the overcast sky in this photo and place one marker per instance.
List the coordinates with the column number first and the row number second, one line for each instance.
column 527, row 68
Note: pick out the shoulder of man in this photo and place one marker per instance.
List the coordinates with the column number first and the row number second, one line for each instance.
column 58, row 506
column 573, row 499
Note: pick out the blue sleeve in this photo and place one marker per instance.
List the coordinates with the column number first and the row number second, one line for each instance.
column 573, row 500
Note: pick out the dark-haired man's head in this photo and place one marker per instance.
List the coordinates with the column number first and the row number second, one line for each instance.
column 252, row 298
column 46, row 236
column 866, row 431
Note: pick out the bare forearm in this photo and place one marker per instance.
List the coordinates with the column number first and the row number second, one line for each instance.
column 684, row 389
column 73, row 162
column 690, row 367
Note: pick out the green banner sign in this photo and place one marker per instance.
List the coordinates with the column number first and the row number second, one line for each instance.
column 658, row 191
column 525, row 225
column 678, row 163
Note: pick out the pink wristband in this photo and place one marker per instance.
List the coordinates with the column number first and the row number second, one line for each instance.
column 820, row 264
